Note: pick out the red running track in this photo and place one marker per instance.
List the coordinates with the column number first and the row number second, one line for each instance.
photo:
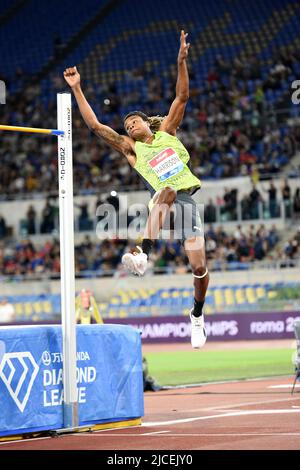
column 248, row 415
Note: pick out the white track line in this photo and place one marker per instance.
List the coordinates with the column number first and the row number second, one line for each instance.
column 154, row 432
column 226, row 415
column 96, row 434
column 284, row 386
column 238, row 405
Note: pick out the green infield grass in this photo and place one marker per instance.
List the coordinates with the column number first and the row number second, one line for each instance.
column 188, row 367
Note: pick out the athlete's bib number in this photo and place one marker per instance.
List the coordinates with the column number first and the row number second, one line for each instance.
column 166, row 164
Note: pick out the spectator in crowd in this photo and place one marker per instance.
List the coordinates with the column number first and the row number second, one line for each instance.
column 286, row 197
column 230, row 204
column 31, row 220
column 273, row 236
column 253, row 203
column 7, row 312
column 244, row 251
column 238, row 234
column 48, row 217
column 84, row 220
column 245, row 207
column 290, row 248
column 210, row 246
column 296, row 202
column 3, row 228
column 210, row 232
column 210, row 212
column 272, row 191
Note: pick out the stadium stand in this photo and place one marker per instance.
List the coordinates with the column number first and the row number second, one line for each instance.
column 153, row 302
column 25, row 38
column 225, row 250
column 242, row 65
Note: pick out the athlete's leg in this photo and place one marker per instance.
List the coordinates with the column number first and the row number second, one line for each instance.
column 195, row 251
column 162, row 203
column 192, row 235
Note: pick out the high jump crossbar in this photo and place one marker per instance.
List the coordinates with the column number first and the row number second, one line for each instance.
column 66, row 230
column 32, row 130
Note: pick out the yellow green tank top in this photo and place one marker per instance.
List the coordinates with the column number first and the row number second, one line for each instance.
column 164, row 163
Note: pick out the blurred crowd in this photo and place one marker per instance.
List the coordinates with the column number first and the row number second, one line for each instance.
column 268, row 201
column 222, row 250
column 236, row 123
column 239, row 121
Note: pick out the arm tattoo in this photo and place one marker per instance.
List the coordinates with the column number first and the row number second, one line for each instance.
column 110, row 136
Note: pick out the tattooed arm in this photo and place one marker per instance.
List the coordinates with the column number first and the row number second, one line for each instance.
column 122, row 144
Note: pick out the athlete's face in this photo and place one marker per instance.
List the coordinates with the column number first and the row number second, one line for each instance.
column 137, row 128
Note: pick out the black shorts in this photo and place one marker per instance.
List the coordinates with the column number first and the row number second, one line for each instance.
column 184, row 221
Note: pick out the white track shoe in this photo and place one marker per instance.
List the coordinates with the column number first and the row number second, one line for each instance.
column 135, row 262
column 198, row 332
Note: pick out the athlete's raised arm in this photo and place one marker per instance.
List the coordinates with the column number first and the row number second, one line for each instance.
column 176, row 112
column 121, row 143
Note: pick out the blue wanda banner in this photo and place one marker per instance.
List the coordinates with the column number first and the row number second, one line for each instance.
column 109, row 376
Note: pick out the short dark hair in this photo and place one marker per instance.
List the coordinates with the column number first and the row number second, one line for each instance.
column 136, row 113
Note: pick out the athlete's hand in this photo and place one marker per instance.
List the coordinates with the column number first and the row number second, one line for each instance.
column 72, row 76
column 184, row 47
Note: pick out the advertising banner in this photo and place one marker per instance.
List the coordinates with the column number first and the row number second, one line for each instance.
column 219, row 327
column 109, row 376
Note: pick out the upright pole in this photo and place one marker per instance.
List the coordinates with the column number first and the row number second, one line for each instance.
column 66, row 224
